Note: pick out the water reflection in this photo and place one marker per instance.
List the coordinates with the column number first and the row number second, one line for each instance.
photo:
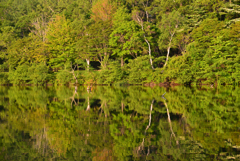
column 131, row 123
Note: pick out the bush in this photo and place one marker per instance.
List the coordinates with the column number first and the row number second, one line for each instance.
column 38, row 73
column 64, row 77
column 139, row 70
column 4, row 78
column 112, row 74
column 20, row 75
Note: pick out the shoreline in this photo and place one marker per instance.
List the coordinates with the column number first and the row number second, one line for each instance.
column 151, row 84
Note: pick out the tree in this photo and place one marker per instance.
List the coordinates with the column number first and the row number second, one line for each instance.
column 93, row 43
column 84, row 46
column 234, row 33
column 103, row 10
column 141, row 23
column 125, row 37
column 60, row 43
column 169, row 26
column 27, row 50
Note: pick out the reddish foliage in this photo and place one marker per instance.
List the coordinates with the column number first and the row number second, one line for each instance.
column 103, row 10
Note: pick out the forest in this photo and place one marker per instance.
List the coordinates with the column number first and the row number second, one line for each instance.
column 117, row 42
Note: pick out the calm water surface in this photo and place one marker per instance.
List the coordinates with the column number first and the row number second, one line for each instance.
column 111, row 124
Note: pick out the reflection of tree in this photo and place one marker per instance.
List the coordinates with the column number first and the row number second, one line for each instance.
column 212, row 113
column 73, row 97
column 53, row 129
column 149, row 124
column 126, row 132
column 170, row 122
column 45, row 123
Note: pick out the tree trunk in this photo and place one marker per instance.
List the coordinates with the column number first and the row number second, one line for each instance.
column 122, row 105
column 122, row 62
column 88, row 107
column 149, row 52
column 149, row 46
column 168, row 52
column 74, row 76
column 88, row 63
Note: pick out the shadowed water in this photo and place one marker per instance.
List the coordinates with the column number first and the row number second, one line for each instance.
column 128, row 123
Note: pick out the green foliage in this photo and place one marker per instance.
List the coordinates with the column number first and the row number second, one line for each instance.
column 93, row 44
column 39, row 73
column 199, row 40
column 126, row 36
column 208, row 60
column 121, row 124
column 4, row 78
column 60, row 42
column 64, row 77
column 7, row 36
column 139, row 70
column 112, row 74
column 20, row 75
column 208, row 30
column 169, row 25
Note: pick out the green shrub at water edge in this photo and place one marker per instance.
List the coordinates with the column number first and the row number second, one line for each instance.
column 111, row 74
column 20, row 75
column 139, row 70
column 38, row 74
column 64, row 77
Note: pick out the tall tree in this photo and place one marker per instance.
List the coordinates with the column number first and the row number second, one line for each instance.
column 60, row 43
column 140, row 21
column 103, row 10
column 169, row 26
column 126, row 36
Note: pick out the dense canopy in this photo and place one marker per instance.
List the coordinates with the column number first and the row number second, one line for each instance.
column 119, row 41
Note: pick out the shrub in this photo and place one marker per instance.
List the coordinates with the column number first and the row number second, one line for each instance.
column 20, row 75
column 38, row 73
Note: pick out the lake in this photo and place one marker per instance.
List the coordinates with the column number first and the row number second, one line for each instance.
column 120, row 123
